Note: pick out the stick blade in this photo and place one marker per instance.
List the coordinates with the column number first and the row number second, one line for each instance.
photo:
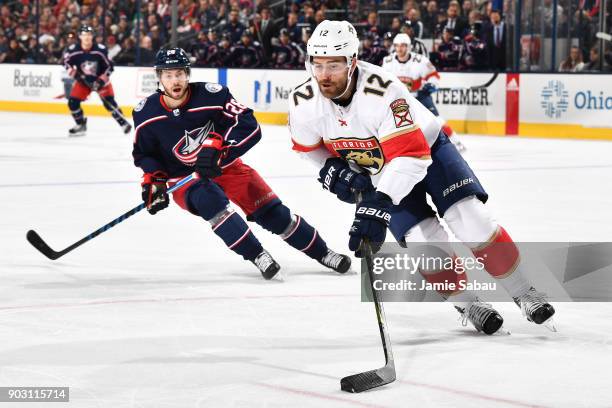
column 38, row 243
column 366, row 381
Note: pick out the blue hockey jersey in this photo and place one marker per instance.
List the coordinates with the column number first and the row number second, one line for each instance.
column 169, row 140
column 90, row 65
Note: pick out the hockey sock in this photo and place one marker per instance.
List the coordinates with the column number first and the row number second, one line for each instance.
column 302, row 236
column 236, row 234
column 293, row 229
column 74, row 105
column 111, row 105
column 502, row 261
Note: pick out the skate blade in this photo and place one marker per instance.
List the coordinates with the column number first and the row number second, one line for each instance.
column 279, row 277
column 77, row 134
column 550, row 325
column 502, row 331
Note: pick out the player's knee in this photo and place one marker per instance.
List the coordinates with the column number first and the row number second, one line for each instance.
column 470, row 221
column 275, row 218
column 74, row 103
column 207, row 199
column 429, row 230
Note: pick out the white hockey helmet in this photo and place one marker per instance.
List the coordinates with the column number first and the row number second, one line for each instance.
column 402, row 38
column 334, row 39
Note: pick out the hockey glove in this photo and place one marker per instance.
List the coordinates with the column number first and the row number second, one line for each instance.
column 372, row 218
column 337, row 177
column 97, row 85
column 209, row 159
column 154, row 191
column 428, row 89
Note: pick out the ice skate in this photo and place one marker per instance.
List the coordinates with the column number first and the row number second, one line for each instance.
column 78, row 130
column 482, row 315
column 536, row 308
column 267, row 266
column 338, row 262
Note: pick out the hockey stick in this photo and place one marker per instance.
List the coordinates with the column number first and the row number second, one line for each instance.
column 38, row 243
column 485, row 85
column 384, row 375
column 604, row 36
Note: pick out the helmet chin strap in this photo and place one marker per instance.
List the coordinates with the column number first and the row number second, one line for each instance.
column 349, row 76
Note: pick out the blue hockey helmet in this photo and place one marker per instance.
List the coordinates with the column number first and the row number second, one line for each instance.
column 172, row 58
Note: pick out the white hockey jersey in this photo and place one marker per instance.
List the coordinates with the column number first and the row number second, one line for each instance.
column 414, row 73
column 383, row 130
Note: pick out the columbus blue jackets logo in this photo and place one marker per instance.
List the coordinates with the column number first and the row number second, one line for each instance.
column 188, row 147
column 367, row 153
column 90, row 68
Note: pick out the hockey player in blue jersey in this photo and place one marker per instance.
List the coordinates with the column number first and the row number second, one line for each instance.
column 88, row 63
column 199, row 127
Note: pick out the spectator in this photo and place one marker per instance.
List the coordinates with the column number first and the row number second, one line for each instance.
column 573, row 62
column 127, row 54
column 267, row 31
column 370, row 52
column 113, row 47
column 396, row 26
column 247, row 54
column 285, row 54
column 199, row 50
column 295, row 31
column 15, row 53
column 3, row 47
column 594, row 62
column 430, row 19
column 234, row 27
column 371, row 25
column 147, row 54
column 454, row 20
column 418, row 46
column 448, row 52
column 495, row 39
column 475, row 53
column 414, row 17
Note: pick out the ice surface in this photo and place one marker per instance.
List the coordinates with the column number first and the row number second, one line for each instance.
column 157, row 312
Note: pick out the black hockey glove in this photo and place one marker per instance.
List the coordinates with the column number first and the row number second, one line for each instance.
column 154, row 191
column 208, row 164
column 337, row 177
column 372, row 218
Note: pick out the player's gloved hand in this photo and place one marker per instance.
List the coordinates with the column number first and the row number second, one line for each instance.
column 337, row 177
column 429, row 88
column 97, row 84
column 209, row 159
column 372, row 218
column 154, row 191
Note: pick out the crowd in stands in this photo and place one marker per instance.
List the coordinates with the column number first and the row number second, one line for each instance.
column 467, row 34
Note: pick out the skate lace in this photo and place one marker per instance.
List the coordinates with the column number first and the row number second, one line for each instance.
column 531, row 301
column 263, row 261
column 332, row 259
column 477, row 313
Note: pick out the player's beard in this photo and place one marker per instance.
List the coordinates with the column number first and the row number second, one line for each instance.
column 332, row 89
column 176, row 91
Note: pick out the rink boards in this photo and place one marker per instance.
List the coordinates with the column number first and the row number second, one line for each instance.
column 538, row 105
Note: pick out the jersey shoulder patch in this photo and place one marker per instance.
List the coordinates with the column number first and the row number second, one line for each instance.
column 213, row 87
column 140, row 105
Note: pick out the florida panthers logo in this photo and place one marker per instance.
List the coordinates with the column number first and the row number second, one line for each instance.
column 188, row 147
column 367, row 153
column 90, row 68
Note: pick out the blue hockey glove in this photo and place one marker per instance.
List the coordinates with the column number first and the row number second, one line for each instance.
column 428, row 88
column 337, row 177
column 372, row 218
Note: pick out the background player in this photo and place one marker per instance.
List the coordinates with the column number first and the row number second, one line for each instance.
column 200, row 126
column 420, row 77
column 87, row 62
column 354, row 116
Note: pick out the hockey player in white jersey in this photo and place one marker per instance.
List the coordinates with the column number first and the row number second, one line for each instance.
column 361, row 127
column 420, row 77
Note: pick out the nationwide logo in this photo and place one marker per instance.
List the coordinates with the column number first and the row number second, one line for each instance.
column 555, row 99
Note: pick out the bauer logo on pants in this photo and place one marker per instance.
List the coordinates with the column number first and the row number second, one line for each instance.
column 367, row 153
